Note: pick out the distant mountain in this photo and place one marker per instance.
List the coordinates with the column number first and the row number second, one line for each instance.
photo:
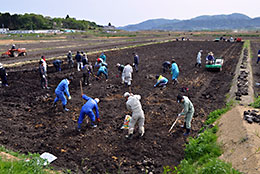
column 149, row 24
column 205, row 22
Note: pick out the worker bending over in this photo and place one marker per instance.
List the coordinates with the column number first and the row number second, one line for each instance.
column 62, row 88
column 161, row 81
column 166, row 66
column 102, row 70
column 87, row 109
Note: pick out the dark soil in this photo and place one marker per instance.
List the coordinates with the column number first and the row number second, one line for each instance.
column 29, row 124
column 255, row 46
column 54, row 48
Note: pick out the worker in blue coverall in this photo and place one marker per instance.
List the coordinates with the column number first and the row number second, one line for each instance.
column 174, row 72
column 102, row 70
column 62, row 88
column 87, row 109
column 103, row 57
column 161, row 81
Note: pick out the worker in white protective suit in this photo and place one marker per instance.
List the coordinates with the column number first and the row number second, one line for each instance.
column 127, row 74
column 133, row 104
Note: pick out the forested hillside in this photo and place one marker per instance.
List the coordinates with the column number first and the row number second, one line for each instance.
column 36, row 22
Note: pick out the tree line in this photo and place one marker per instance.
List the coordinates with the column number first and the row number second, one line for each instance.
column 38, row 22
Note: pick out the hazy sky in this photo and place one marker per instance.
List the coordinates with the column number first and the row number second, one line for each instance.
column 124, row 12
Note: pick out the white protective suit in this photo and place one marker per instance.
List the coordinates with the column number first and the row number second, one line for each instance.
column 199, row 58
column 127, row 74
column 133, row 104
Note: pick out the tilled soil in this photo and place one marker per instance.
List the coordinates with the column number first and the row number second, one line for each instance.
column 255, row 46
column 54, row 48
column 29, row 124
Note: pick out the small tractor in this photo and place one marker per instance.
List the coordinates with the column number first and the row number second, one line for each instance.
column 15, row 52
column 216, row 65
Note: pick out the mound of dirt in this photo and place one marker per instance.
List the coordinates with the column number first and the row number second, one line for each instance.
column 240, row 141
column 29, row 124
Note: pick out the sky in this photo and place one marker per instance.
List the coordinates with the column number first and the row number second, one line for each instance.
column 125, row 12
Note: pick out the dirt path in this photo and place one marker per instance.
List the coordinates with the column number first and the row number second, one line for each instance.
column 240, row 140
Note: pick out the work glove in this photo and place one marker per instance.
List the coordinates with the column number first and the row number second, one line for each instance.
column 43, row 76
column 98, row 119
column 154, row 85
column 69, row 97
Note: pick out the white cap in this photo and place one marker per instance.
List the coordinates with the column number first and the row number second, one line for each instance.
column 1, row 65
column 126, row 94
column 97, row 100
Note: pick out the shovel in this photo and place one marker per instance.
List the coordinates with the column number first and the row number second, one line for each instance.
column 173, row 124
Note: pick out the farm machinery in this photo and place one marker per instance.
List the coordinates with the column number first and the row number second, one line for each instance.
column 15, row 52
column 216, row 65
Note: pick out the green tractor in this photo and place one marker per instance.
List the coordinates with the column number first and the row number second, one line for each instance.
column 216, row 65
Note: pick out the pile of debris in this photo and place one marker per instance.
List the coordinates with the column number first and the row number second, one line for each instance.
column 252, row 116
column 242, row 79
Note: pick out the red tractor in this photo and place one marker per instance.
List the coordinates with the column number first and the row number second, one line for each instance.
column 15, row 52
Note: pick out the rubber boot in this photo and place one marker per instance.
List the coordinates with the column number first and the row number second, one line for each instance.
column 78, row 128
column 54, row 105
column 129, row 136
column 184, row 125
column 65, row 109
column 187, row 132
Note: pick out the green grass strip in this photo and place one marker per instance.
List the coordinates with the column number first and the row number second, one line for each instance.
column 201, row 153
column 27, row 164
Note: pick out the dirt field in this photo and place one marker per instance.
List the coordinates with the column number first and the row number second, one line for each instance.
column 29, row 124
column 255, row 46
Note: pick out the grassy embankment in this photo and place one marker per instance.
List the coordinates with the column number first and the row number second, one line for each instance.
column 22, row 164
column 202, row 152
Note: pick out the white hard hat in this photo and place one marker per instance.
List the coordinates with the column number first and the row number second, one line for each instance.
column 126, row 94
column 118, row 64
column 1, row 65
column 97, row 100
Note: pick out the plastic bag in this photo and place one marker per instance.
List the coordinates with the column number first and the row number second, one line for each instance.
column 126, row 122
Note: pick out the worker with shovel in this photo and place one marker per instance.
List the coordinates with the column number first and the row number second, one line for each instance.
column 133, row 104
column 87, row 109
column 62, row 88
column 188, row 111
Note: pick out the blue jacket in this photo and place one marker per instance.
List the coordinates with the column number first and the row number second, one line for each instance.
column 175, row 69
column 258, row 51
column 78, row 58
column 63, row 87
column 103, row 56
column 103, row 69
column 90, row 105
